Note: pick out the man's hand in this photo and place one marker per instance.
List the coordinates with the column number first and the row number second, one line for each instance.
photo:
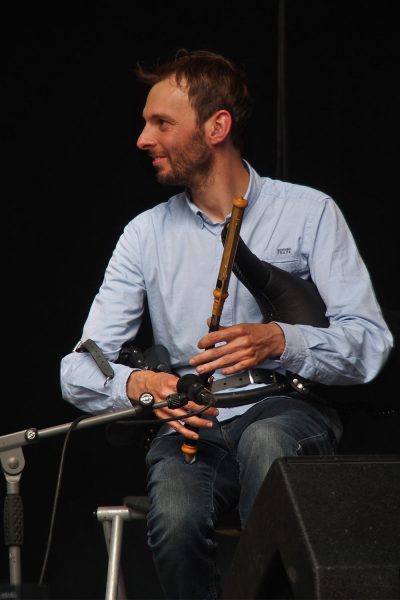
column 241, row 347
column 161, row 385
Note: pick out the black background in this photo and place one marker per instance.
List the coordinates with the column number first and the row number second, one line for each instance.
column 73, row 177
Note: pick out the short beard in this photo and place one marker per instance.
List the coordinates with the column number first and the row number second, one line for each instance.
column 190, row 165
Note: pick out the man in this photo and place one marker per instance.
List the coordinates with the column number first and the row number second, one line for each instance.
column 195, row 112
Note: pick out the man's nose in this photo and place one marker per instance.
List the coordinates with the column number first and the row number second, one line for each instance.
column 145, row 139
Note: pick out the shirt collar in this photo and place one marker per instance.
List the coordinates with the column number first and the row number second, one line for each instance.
column 252, row 193
column 254, row 187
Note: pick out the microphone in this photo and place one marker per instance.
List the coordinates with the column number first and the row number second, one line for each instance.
column 193, row 387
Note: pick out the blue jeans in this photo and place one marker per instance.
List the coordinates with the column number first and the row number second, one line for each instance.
column 233, row 458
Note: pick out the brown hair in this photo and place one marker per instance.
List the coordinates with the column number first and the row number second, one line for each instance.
column 213, row 83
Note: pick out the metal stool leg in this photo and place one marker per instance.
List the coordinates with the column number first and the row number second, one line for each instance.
column 112, row 519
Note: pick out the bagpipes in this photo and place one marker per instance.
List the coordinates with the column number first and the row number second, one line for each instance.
column 281, row 296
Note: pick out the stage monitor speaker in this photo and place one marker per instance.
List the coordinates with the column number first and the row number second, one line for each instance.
column 331, row 522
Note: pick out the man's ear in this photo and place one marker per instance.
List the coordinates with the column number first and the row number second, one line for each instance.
column 218, row 126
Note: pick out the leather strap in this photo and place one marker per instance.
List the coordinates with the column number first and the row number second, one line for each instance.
column 276, row 384
column 242, row 379
column 97, row 354
column 280, row 386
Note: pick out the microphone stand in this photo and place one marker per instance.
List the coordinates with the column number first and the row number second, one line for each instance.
column 13, row 463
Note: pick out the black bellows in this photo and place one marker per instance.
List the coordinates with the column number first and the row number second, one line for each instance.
column 330, row 527
column 280, row 295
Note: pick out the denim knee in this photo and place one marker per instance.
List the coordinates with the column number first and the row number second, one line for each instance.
column 266, row 438
column 259, row 446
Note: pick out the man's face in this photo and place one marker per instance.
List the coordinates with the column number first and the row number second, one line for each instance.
column 172, row 137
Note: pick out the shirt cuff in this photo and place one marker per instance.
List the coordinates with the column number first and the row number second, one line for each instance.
column 296, row 352
column 120, row 398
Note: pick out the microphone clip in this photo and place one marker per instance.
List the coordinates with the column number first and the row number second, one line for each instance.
column 193, row 387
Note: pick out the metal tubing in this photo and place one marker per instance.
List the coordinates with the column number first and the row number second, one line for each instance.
column 114, row 557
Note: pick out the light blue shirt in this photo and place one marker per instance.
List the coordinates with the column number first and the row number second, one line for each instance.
column 171, row 253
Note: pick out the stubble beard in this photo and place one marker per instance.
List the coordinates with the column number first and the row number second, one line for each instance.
column 190, row 166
